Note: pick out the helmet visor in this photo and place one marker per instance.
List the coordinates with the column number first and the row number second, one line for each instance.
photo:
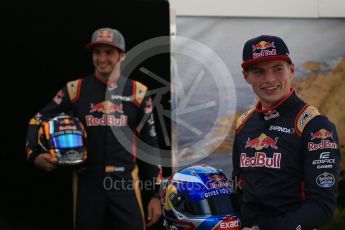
column 67, row 141
column 215, row 205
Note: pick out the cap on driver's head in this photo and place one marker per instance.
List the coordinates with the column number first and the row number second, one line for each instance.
column 264, row 48
column 107, row 36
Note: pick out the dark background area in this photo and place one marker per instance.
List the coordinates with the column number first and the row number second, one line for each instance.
column 44, row 48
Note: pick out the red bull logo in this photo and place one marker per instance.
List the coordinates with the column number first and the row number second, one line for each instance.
column 324, row 144
column 321, row 134
column 67, row 127
column 260, row 160
column 106, row 107
column 106, row 120
column 217, row 181
column 216, row 178
column 263, row 45
column 104, row 35
column 66, row 122
column 261, row 142
column 261, row 49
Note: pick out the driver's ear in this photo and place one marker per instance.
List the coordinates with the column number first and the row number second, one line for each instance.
column 245, row 76
column 122, row 57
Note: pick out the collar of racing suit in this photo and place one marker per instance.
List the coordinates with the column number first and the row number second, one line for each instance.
column 281, row 106
column 120, row 82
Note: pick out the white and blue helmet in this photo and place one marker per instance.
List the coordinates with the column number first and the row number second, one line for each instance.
column 198, row 197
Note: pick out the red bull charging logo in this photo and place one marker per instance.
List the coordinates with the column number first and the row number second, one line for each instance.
column 106, row 107
column 216, row 181
column 262, row 142
column 321, row 134
column 263, row 45
column 104, row 35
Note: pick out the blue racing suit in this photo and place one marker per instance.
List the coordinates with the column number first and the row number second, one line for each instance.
column 111, row 160
column 286, row 165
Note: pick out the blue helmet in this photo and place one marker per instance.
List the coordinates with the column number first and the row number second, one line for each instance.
column 64, row 137
column 198, row 197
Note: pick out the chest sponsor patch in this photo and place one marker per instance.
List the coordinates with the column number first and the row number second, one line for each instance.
column 106, row 120
column 121, row 98
column 282, row 129
column 261, row 142
column 106, row 107
column 260, row 159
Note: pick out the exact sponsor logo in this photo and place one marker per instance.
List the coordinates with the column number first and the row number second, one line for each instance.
column 260, row 160
column 282, row 129
column 321, row 134
column 325, row 180
column 230, row 223
column 324, row 161
column 261, row 142
column 324, row 144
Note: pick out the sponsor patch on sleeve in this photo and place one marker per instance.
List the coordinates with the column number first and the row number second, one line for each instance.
column 139, row 92
column 242, row 119
column 325, row 180
column 73, row 89
column 321, row 139
column 304, row 117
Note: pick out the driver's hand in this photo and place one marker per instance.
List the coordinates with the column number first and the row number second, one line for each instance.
column 45, row 161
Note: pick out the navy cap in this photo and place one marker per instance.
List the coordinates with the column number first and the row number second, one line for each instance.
column 107, row 36
column 264, row 48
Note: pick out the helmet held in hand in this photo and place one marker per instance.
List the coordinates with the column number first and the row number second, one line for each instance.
column 64, row 138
